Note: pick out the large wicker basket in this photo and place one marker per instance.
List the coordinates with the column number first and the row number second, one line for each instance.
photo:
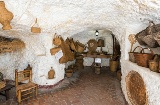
column 73, row 45
column 142, row 58
column 131, row 54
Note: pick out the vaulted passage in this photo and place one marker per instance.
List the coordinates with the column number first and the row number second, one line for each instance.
column 108, row 29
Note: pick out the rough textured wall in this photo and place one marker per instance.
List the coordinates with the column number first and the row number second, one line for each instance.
column 150, row 78
column 122, row 17
column 36, row 53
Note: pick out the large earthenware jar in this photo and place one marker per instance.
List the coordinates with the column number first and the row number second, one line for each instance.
column 5, row 17
column 51, row 74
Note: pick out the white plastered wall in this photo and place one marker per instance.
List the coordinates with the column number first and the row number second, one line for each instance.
column 150, row 78
column 68, row 18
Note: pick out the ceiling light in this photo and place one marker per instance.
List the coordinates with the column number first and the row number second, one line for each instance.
column 96, row 32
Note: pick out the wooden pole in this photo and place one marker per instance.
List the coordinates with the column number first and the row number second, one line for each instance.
column 113, row 38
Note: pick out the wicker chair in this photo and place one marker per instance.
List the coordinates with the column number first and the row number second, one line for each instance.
column 25, row 88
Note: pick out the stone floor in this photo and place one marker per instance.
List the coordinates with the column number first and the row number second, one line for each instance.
column 90, row 89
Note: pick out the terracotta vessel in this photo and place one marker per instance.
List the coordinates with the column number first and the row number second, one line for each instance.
column 5, row 17
column 51, row 74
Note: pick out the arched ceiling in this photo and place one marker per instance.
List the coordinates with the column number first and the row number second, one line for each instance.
column 73, row 16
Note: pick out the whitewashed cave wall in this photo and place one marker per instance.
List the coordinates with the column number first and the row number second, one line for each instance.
column 58, row 17
column 68, row 18
column 150, row 78
column 36, row 53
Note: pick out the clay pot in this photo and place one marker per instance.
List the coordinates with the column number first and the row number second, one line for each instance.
column 5, row 17
column 51, row 74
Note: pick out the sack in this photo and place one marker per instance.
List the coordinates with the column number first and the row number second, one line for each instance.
column 35, row 28
column 150, row 41
column 142, row 58
column 140, row 36
column 131, row 54
column 157, row 37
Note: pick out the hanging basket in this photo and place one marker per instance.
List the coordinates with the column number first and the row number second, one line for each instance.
column 131, row 54
column 68, row 41
column 80, row 47
column 157, row 37
column 35, row 28
column 73, row 45
column 142, row 58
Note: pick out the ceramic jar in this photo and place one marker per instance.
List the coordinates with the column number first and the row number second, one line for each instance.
column 51, row 74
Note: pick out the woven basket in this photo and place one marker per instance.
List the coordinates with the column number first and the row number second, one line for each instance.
column 80, row 47
column 2, row 84
column 131, row 54
column 142, row 58
column 69, row 72
column 35, row 28
column 92, row 46
column 72, row 45
column 68, row 41
column 113, row 65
